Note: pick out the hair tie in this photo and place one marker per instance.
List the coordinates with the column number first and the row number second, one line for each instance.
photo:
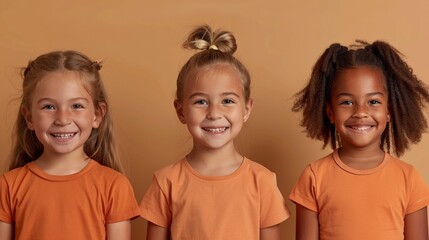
column 214, row 47
column 97, row 64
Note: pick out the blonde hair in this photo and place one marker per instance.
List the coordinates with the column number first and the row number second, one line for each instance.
column 214, row 47
column 100, row 145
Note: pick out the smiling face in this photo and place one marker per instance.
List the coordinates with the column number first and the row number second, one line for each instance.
column 62, row 113
column 359, row 107
column 214, row 107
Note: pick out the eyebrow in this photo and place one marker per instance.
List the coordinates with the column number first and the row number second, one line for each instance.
column 368, row 94
column 197, row 94
column 70, row 100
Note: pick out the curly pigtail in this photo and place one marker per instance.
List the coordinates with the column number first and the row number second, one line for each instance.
column 407, row 98
column 313, row 103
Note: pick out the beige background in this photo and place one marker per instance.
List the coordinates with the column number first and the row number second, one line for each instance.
column 140, row 42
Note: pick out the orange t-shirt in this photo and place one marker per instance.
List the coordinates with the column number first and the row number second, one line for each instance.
column 361, row 204
column 77, row 206
column 217, row 208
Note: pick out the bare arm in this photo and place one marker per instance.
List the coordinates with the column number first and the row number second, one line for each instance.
column 270, row 233
column 307, row 224
column 155, row 232
column 119, row 230
column 6, row 231
column 416, row 225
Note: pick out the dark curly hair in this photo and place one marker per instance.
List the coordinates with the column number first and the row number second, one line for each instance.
column 408, row 95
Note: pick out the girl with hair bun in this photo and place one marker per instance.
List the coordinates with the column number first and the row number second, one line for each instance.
column 214, row 192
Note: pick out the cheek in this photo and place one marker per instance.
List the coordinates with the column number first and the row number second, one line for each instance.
column 381, row 112
column 40, row 121
column 193, row 115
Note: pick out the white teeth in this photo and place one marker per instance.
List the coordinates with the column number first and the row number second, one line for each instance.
column 362, row 128
column 63, row 135
column 215, row 130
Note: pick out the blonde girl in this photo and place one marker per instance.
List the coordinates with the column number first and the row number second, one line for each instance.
column 65, row 178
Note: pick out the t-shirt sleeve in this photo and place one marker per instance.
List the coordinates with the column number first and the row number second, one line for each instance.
column 419, row 193
column 304, row 192
column 122, row 202
column 5, row 208
column 154, row 205
column 273, row 206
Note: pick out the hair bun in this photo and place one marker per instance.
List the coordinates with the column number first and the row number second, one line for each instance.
column 97, row 65
column 25, row 71
column 204, row 38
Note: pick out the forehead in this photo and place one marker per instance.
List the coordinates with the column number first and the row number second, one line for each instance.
column 214, row 76
column 61, row 83
column 360, row 79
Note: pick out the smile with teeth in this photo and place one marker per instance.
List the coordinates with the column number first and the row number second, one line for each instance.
column 215, row 130
column 361, row 128
column 63, row 135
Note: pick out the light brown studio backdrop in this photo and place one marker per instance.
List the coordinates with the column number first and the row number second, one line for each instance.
column 140, row 44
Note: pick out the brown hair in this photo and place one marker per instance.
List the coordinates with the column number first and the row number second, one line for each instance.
column 407, row 94
column 100, row 145
column 215, row 47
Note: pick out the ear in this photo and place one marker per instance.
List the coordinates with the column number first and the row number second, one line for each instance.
column 179, row 111
column 248, row 109
column 388, row 116
column 99, row 114
column 27, row 116
column 330, row 113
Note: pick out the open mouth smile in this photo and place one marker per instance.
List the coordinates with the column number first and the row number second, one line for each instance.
column 63, row 135
column 361, row 128
column 215, row 130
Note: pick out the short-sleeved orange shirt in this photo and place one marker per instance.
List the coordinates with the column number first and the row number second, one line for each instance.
column 360, row 204
column 77, row 206
column 232, row 207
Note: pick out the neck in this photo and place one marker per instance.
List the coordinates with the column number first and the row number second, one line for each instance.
column 62, row 164
column 361, row 158
column 215, row 162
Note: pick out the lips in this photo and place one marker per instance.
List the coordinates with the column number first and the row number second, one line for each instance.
column 215, row 129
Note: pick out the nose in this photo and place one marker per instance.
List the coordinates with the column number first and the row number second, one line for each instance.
column 62, row 117
column 214, row 112
column 361, row 111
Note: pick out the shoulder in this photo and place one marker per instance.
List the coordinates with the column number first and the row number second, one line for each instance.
column 259, row 174
column 172, row 168
column 402, row 166
column 171, row 172
column 15, row 174
column 258, row 169
column 320, row 165
column 398, row 162
column 318, row 169
column 107, row 175
column 323, row 162
column 102, row 170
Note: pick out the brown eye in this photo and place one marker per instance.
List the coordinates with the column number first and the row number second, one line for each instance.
column 228, row 101
column 374, row 102
column 347, row 102
column 201, row 102
column 48, row 107
column 77, row 106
